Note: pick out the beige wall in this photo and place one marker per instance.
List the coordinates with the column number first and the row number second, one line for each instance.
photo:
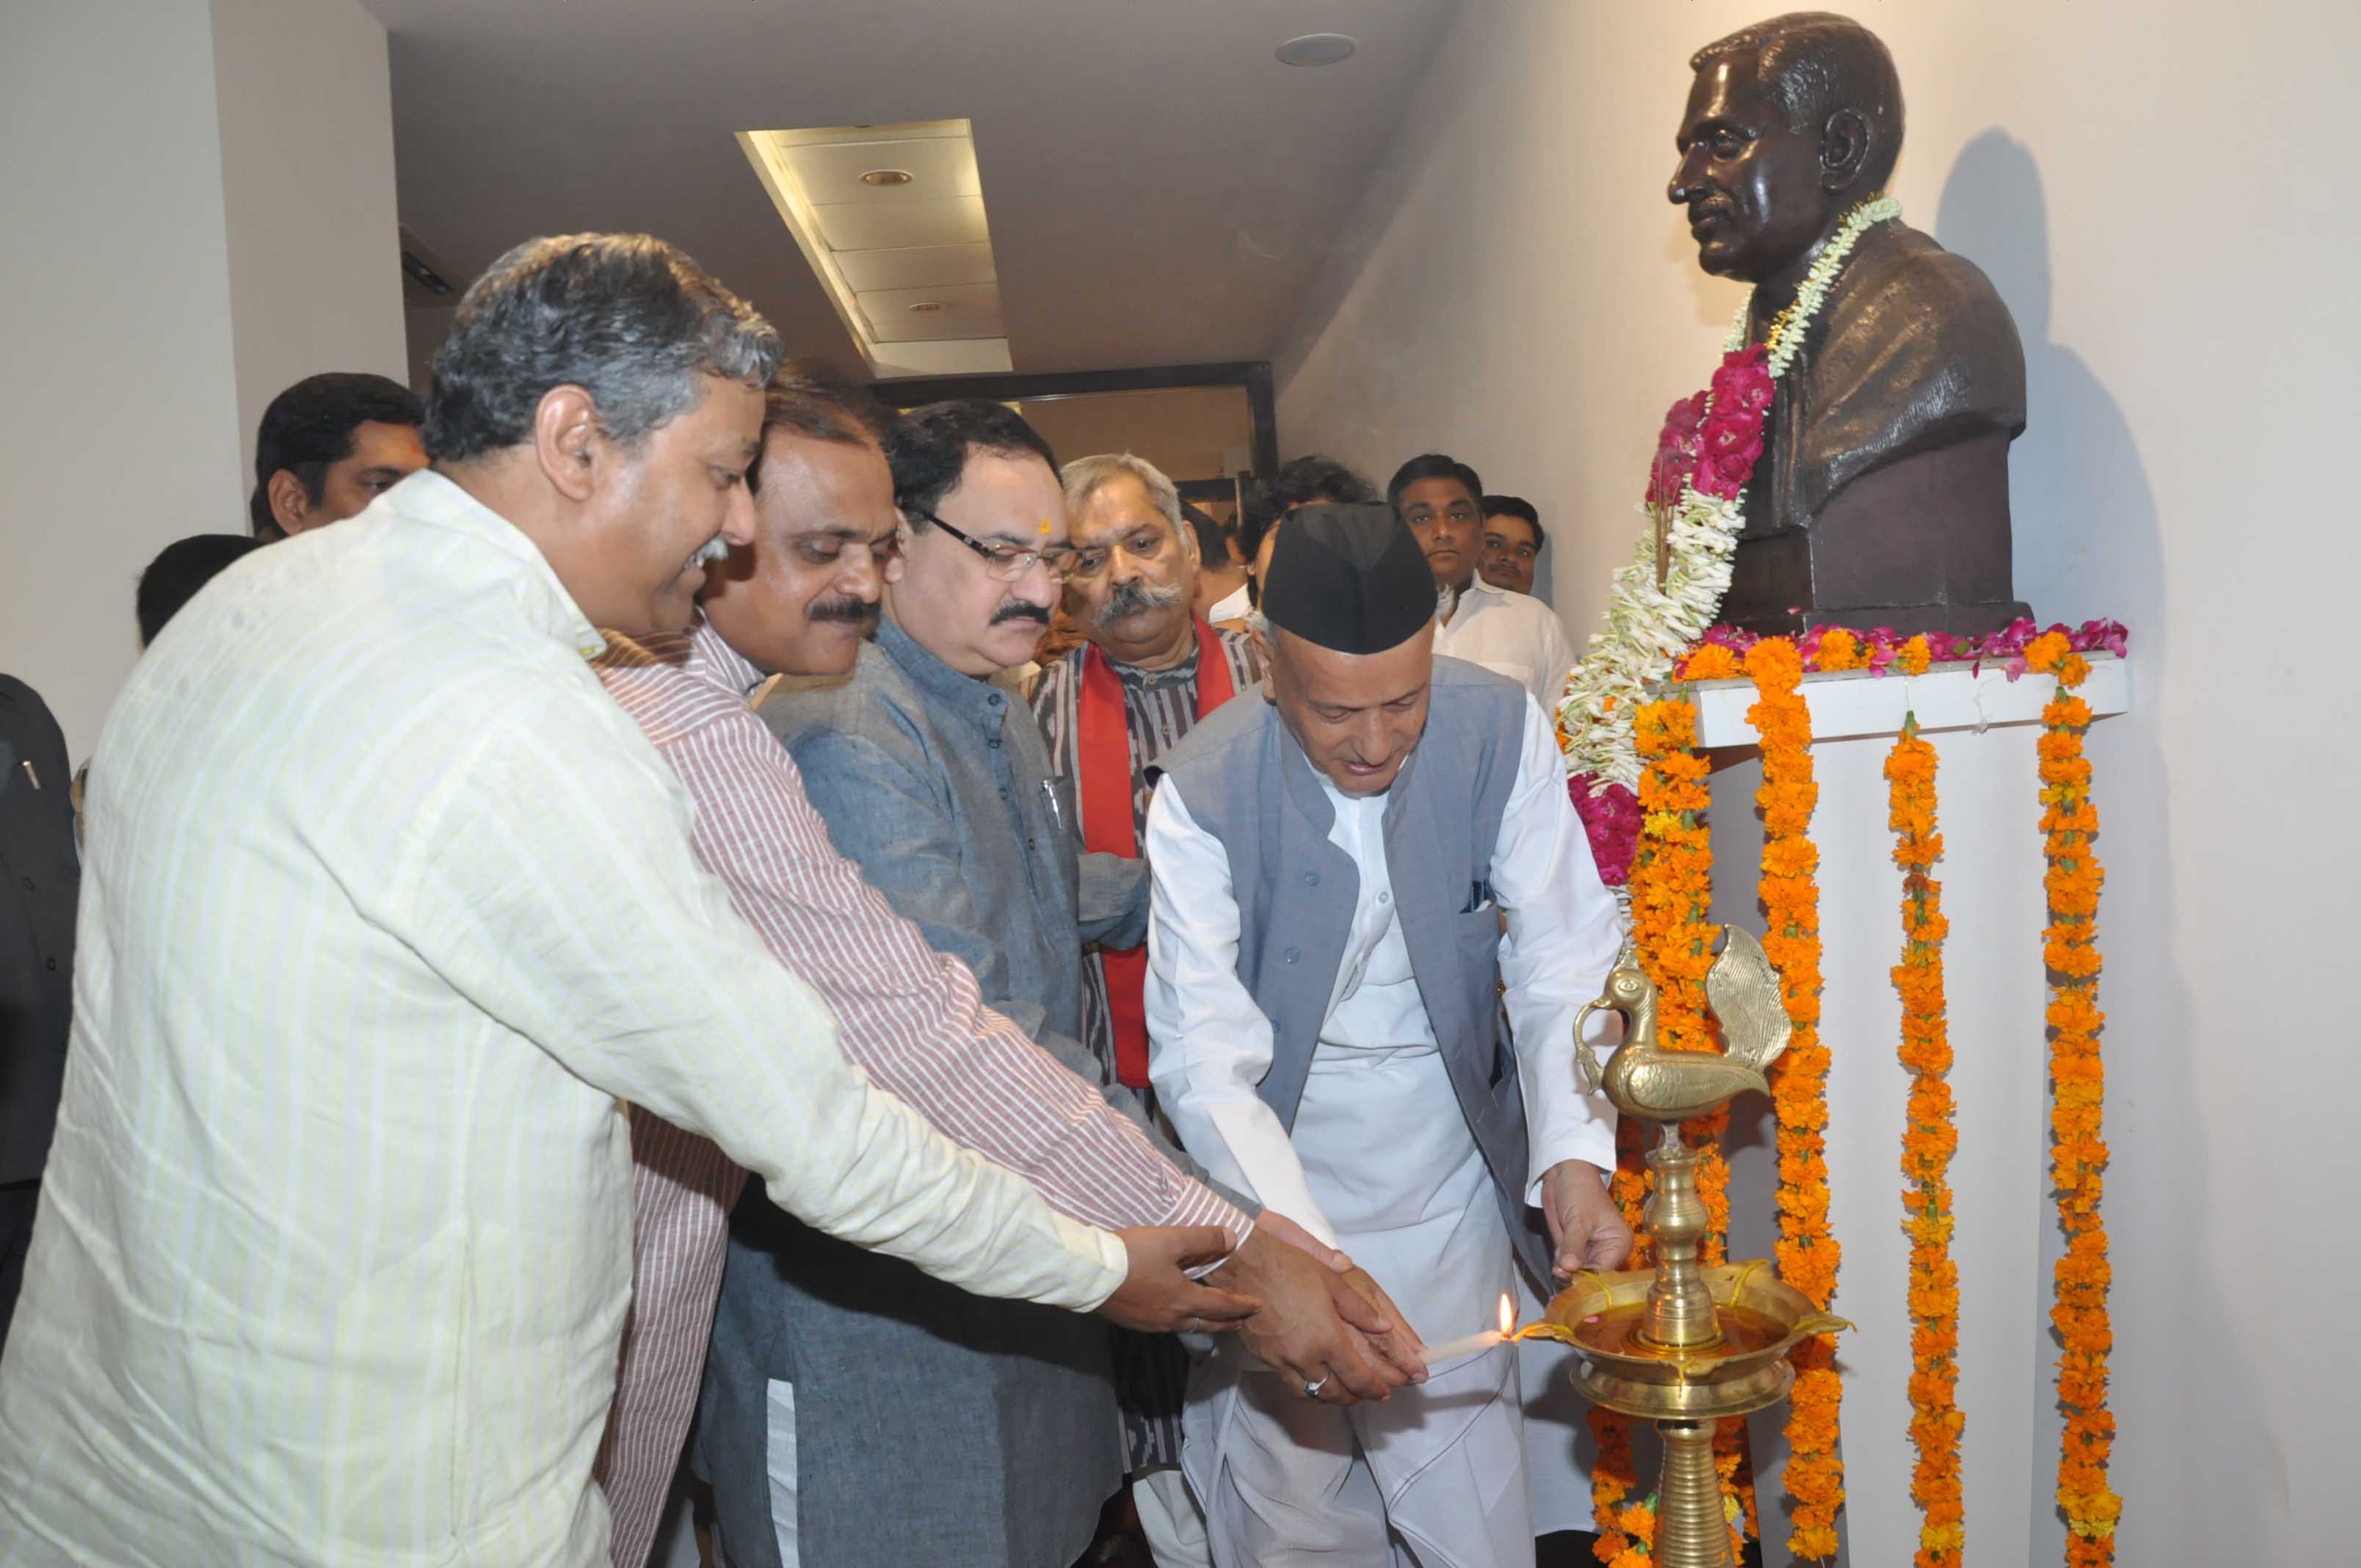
column 2163, row 194
column 1190, row 432
column 306, row 114
column 152, row 306
column 118, row 415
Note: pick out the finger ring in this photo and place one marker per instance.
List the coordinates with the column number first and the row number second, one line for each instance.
column 1311, row 1390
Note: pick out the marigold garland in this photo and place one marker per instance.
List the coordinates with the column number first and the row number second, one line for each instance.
column 1672, row 898
column 1929, row 1138
column 1807, row 1252
column 2077, row 1152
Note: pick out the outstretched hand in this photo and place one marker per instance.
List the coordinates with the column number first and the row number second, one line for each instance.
column 1586, row 1229
column 1158, row 1296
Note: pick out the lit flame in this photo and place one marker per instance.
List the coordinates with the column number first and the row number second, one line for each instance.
column 1508, row 1315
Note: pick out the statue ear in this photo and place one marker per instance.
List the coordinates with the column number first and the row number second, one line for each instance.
column 1844, row 149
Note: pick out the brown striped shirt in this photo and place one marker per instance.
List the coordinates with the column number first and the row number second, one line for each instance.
column 909, row 1015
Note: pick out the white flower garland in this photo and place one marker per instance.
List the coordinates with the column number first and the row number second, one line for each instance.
column 1649, row 626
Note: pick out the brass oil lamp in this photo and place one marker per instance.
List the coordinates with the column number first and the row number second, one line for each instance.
column 1681, row 1344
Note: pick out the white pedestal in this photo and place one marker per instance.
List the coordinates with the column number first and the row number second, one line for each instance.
column 1983, row 729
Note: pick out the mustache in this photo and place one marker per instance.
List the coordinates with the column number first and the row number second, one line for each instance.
column 846, row 610
column 1136, row 594
column 714, row 549
column 1016, row 609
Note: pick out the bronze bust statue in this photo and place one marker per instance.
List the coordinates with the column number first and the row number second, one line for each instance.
column 1882, row 495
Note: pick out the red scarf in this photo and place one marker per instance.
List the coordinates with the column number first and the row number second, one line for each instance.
column 1103, row 757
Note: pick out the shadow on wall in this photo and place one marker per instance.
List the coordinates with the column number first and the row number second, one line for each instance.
column 2088, row 542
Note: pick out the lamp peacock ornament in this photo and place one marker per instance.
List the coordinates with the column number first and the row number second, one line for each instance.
column 1681, row 1344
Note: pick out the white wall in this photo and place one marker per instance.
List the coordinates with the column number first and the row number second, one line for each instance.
column 306, row 113
column 149, row 306
column 2162, row 192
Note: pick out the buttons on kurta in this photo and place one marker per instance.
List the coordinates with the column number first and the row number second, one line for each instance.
column 1311, row 879
column 1292, row 954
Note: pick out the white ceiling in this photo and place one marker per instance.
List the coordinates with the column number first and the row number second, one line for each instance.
column 1161, row 189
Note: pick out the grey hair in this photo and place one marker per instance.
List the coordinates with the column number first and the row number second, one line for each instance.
column 1084, row 477
column 626, row 317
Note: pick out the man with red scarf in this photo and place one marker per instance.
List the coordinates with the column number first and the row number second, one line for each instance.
column 1151, row 668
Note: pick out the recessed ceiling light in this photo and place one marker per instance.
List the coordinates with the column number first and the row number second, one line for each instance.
column 923, row 307
column 882, row 177
column 1316, row 48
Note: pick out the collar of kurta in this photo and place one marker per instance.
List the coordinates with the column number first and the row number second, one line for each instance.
column 1180, row 674
column 1467, row 599
column 981, row 703
column 433, row 498
column 700, row 651
column 711, row 657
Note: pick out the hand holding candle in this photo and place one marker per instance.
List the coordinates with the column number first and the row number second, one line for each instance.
column 1475, row 1345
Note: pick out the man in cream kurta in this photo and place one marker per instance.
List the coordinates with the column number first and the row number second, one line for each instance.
column 1341, row 1106
column 386, row 903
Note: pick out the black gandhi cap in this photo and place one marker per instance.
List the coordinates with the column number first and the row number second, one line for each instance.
column 1350, row 577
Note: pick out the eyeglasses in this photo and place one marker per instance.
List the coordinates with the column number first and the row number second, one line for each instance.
column 1006, row 563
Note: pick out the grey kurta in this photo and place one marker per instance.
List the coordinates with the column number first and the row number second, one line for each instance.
column 1001, row 1415
column 1160, row 706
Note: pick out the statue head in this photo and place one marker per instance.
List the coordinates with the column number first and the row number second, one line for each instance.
column 1790, row 123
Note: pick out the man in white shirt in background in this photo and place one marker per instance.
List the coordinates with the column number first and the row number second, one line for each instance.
column 387, row 908
column 1508, row 632
column 1223, row 593
column 1332, row 859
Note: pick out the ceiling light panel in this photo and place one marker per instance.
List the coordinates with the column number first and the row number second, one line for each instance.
column 938, row 167
column 905, row 316
column 916, row 267
column 902, row 225
column 882, row 245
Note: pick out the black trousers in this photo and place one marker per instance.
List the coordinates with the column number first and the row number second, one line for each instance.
column 18, row 1201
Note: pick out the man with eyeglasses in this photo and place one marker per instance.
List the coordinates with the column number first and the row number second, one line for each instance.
column 1510, row 633
column 996, row 1431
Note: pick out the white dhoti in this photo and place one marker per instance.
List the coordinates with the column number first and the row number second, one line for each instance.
column 1432, row 1476
column 1435, row 1474
column 1379, row 1159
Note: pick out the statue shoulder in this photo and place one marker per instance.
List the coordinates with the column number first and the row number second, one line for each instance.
column 1912, row 267
column 1916, row 349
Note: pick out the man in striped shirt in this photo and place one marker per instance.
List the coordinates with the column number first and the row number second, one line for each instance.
column 799, row 603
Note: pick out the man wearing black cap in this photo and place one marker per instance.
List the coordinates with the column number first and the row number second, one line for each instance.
column 1331, row 866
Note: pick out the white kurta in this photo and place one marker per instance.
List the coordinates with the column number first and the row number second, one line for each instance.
column 387, row 902
column 1380, row 1163
column 1511, row 634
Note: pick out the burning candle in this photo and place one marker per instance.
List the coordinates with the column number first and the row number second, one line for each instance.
column 1475, row 1345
